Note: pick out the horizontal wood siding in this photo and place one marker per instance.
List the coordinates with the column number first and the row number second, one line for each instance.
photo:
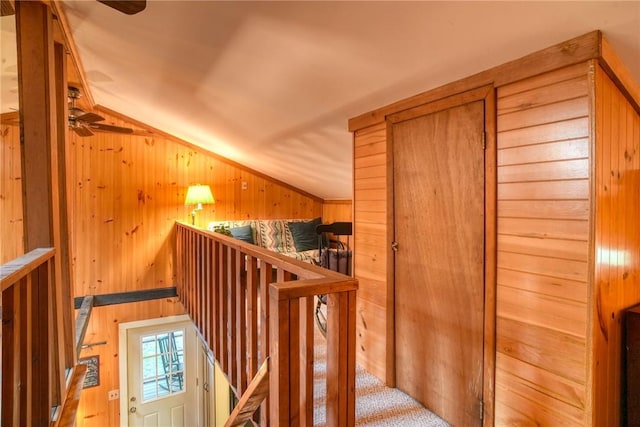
column 543, row 248
column 11, row 226
column 617, row 240
column 370, row 249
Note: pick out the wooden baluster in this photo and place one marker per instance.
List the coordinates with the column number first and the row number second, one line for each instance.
column 231, row 350
column 197, row 282
column 306, row 361
column 26, row 351
column 279, row 380
column 241, row 324
column 266, row 274
column 223, row 312
column 215, row 296
column 207, row 293
column 340, row 357
column 41, row 321
column 252, row 315
column 10, row 359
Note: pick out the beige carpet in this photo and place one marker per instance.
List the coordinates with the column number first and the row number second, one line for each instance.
column 376, row 405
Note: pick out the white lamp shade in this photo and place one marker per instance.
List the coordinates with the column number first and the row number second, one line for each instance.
column 197, row 194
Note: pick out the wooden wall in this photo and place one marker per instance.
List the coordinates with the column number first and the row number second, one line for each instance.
column 617, row 239
column 374, row 345
column 11, row 226
column 129, row 191
column 337, row 210
column 543, row 248
column 95, row 409
column 568, row 244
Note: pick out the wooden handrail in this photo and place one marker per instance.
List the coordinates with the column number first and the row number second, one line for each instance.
column 17, row 269
column 249, row 303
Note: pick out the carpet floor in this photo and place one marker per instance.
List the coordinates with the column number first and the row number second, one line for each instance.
column 376, row 404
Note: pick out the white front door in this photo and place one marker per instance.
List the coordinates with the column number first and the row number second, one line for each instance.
column 161, row 385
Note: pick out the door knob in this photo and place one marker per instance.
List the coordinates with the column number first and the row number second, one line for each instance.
column 394, row 246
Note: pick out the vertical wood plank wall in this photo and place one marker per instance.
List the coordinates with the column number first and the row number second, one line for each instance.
column 543, row 246
column 370, row 254
column 95, row 409
column 337, row 210
column 11, row 227
column 617, row 240
column 129, row 190
column 127, row 193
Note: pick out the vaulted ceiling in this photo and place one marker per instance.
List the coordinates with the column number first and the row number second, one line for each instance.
column 273, row 84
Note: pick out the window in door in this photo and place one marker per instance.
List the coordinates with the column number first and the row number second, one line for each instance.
column 162, row 361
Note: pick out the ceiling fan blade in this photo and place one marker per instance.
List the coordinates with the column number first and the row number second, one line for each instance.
column 130, row 7
column 82, row 130
column 109, row 128
column 89, row 117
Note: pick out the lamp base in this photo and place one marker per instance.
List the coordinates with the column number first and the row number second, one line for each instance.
column 193, row 217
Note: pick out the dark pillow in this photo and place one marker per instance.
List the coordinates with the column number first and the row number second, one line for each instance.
column 243, row 233
column 304, row 234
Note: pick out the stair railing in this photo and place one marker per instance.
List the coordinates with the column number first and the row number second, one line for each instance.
column 250, row 304
column 35, row 390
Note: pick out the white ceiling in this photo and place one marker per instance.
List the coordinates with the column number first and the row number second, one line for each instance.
column 272, row 84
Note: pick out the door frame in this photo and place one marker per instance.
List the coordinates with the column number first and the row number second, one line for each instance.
column 487, row 94
column 123, row 351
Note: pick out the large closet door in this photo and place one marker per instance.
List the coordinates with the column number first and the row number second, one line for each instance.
column 438, row 173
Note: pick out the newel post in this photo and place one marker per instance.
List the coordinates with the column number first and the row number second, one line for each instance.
column 341, row 376
column 279, row 375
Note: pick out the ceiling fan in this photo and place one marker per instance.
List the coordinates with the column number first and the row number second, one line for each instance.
column 130, row 7
column 84, row 123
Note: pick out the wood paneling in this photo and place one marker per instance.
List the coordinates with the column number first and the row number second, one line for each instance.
column 543, row 247
column 337, row 210
column 11, row 229
column 617, row 239
column 95, row 410
column 373, row 322
column 568, row 186
column 127, row 193
column 129, row 190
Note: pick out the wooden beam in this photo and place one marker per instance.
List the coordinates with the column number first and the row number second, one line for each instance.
column 82, row 322
column 72, row 399
column 574, row 51
column 34, row 32
column 127, row 297
column 64, row 289
column 7, row 7
column 256, row 392
column 78, row 69
column 620, row 74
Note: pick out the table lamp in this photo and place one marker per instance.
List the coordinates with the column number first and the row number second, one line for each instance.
column 197, row 195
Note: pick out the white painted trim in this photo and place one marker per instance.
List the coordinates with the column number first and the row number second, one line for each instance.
column 123, row 330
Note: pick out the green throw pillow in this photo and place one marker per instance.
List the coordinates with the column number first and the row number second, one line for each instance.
column 304, row 234
column 243, row 233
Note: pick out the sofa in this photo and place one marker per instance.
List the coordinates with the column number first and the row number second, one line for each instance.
column 296, row 238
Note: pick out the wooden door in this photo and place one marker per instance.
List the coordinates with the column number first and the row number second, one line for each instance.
column 439, row 226
column 162, row 375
